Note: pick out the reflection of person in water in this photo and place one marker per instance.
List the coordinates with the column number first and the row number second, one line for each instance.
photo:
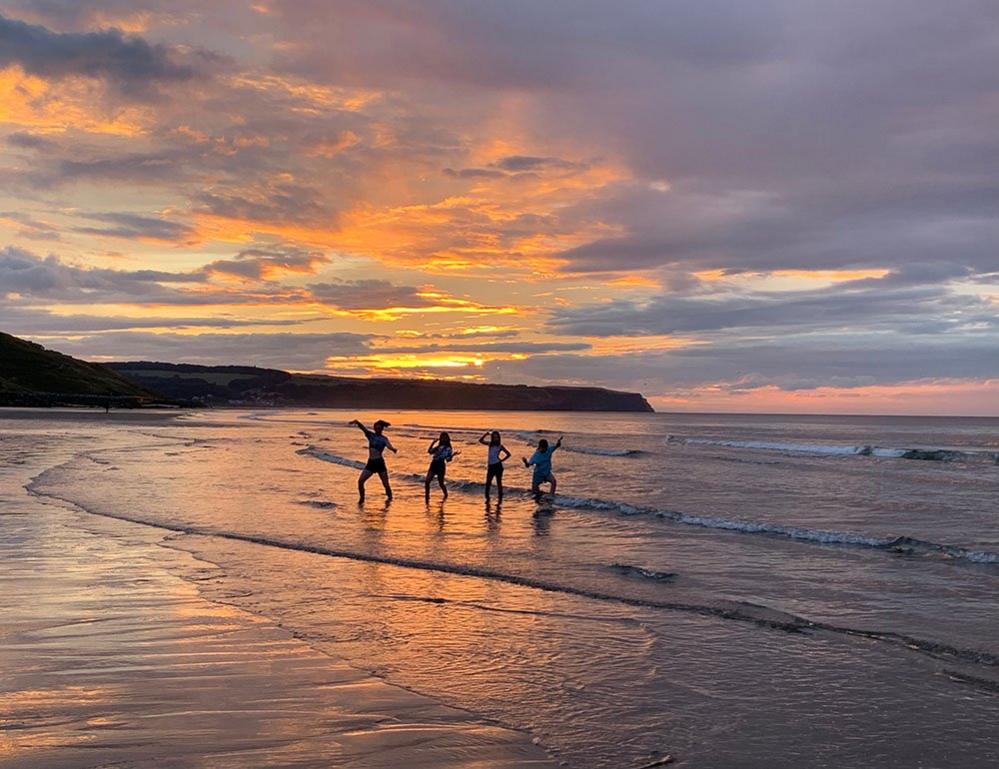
column 377, row 443
column 494, row 467
column 441, row 453
column 541, row 460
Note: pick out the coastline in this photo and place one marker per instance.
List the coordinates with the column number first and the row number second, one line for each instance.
column 114, row 656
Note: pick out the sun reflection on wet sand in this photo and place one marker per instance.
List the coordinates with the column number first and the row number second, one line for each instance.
column 110, row 657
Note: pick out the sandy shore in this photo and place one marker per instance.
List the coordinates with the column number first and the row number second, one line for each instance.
column 109, row 657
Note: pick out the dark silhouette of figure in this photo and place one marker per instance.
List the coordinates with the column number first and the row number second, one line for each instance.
column 494, row 467
column 377, row 443
column 541, row 460
column 441, row 453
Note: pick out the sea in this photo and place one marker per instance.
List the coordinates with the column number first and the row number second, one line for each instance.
column 727, row 590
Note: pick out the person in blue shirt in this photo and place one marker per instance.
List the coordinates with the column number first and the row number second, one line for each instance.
column 377, row 443
column 441, row 453
column 541, row 460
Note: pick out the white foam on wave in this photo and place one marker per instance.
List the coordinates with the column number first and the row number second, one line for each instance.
column 573, row 448
column 328, row 456
column 823, row 449
column 898, row 544
column 601, row 452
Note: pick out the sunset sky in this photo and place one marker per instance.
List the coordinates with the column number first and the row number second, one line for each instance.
column 777, row 205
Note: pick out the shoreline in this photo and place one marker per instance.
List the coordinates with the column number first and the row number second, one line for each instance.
column 98, row 613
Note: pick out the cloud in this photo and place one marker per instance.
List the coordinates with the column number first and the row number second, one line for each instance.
column 130, row 63
column 711, row 171
column 256, row 264
column 506, row 348
column 31, row 279
column 369, row 295
column 282, row 350
column 30, row 227
column 869, row 304
column 137, row 226
column 273, row 202
column 24, row 321
column 28, row 140
column 22, row 272
column 732, row 367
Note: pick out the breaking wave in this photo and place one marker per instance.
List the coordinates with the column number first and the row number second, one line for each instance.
column 928, row 454
column 572, row 448
column 897, row 544
column 638, row 571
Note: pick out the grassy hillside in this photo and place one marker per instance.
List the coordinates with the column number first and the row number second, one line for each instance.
column 27, row 368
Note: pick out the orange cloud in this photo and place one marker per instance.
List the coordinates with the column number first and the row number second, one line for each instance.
column 72, row 105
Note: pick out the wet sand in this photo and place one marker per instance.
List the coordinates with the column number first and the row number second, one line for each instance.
column 110, row 656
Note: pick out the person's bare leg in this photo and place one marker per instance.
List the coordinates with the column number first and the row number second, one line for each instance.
column 361, row 480
column 489, row 483
column 385, row 482
column 426, row 486
column 440, row 480
column 554, row 484
column 499, row 488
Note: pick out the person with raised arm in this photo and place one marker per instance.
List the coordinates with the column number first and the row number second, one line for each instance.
column 541, row 460
column 494, row 463
column 441, row 453
column 377, row 443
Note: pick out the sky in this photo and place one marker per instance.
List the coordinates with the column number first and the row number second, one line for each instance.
column 777, row 206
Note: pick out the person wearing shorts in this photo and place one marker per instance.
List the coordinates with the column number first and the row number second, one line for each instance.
column 377, row 443
column 494, row 464
column 441, row 453
column 541, row 461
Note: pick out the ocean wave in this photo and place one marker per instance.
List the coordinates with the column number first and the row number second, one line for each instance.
column 572, row 448
column 474, row 431
column 864, row 450
column 319, row 504
column 328, row 456
column 897, row 544
column 602, row 452
column 638, row 571
column 745, row 612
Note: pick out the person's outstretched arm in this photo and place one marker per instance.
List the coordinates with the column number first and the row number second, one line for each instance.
column 390, row 447
column 454, row 453
column 558, row 443
column 526, row 463
column 484, row 440
column 360, row 426
column 503, row 451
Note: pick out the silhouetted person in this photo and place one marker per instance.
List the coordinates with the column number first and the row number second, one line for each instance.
column 541, row 460
column 494, row 467
column 441, row 453
column 377, row 443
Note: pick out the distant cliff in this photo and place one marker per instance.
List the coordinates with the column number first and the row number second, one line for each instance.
column 31, row 375
column 248, row 385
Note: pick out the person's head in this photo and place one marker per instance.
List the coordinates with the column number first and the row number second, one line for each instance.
column 380, row 426
column 542, row 445
column 444, row 440
column 494, row 439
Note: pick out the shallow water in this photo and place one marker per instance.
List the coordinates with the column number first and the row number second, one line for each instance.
column 735, row 591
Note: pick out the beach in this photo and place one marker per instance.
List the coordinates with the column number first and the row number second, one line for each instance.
column 202, row 589
column 113, row 657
